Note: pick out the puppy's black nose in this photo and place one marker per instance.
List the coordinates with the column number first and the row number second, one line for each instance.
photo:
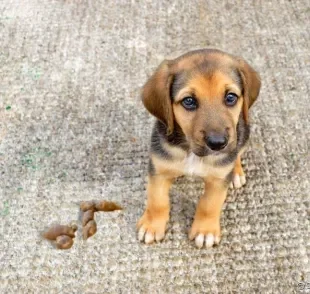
column 216, row 142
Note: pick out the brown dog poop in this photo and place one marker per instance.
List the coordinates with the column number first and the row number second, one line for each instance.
column 107, row 206
column 89, row 229
column 64, row 242
column 62, row 235
column 89, row 208
column 99, row 206
column 53, row 232
column 87, row 205
column 89, row 224
column 87, row 216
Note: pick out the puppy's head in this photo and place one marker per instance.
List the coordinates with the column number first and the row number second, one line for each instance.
column 205, row 93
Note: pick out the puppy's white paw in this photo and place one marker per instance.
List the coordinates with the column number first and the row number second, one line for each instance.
column 148, row 237
column 238, row 181
column 208, row 240
column 205, row 232
column 151, row 229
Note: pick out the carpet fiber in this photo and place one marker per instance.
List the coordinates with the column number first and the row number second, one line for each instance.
column 72, row 128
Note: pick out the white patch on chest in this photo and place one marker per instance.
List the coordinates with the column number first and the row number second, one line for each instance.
column 194, row 166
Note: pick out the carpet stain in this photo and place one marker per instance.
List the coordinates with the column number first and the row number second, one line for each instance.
column 6, row 209
column 63, row 174
column 33, row 160
column 32, row 72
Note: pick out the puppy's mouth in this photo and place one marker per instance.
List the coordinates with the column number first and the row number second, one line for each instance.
column 203, row 151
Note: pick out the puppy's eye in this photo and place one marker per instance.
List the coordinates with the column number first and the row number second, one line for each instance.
column 231, row 99
column 189, row 103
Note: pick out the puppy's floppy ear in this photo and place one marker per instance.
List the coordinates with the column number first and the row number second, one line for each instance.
column 156, row 95
column 251, row 86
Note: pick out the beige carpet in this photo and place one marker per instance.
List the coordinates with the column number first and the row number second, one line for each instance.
column 73, row 128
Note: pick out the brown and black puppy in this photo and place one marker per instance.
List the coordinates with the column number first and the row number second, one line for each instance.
column 201, row 102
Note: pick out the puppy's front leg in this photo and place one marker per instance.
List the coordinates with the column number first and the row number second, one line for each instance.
column 206, row 226
column 152, row 225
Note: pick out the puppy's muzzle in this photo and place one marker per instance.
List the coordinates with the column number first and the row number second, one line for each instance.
column 216, row 141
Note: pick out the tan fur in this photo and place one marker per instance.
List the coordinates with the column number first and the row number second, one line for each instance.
column 209, row 91
column 156, row 215
column 207, row 217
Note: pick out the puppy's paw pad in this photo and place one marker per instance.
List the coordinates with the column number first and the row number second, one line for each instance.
column 238, row 181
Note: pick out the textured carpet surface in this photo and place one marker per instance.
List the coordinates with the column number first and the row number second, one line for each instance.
column 72, row 128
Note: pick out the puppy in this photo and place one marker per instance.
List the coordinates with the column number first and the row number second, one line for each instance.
column 201, row 102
